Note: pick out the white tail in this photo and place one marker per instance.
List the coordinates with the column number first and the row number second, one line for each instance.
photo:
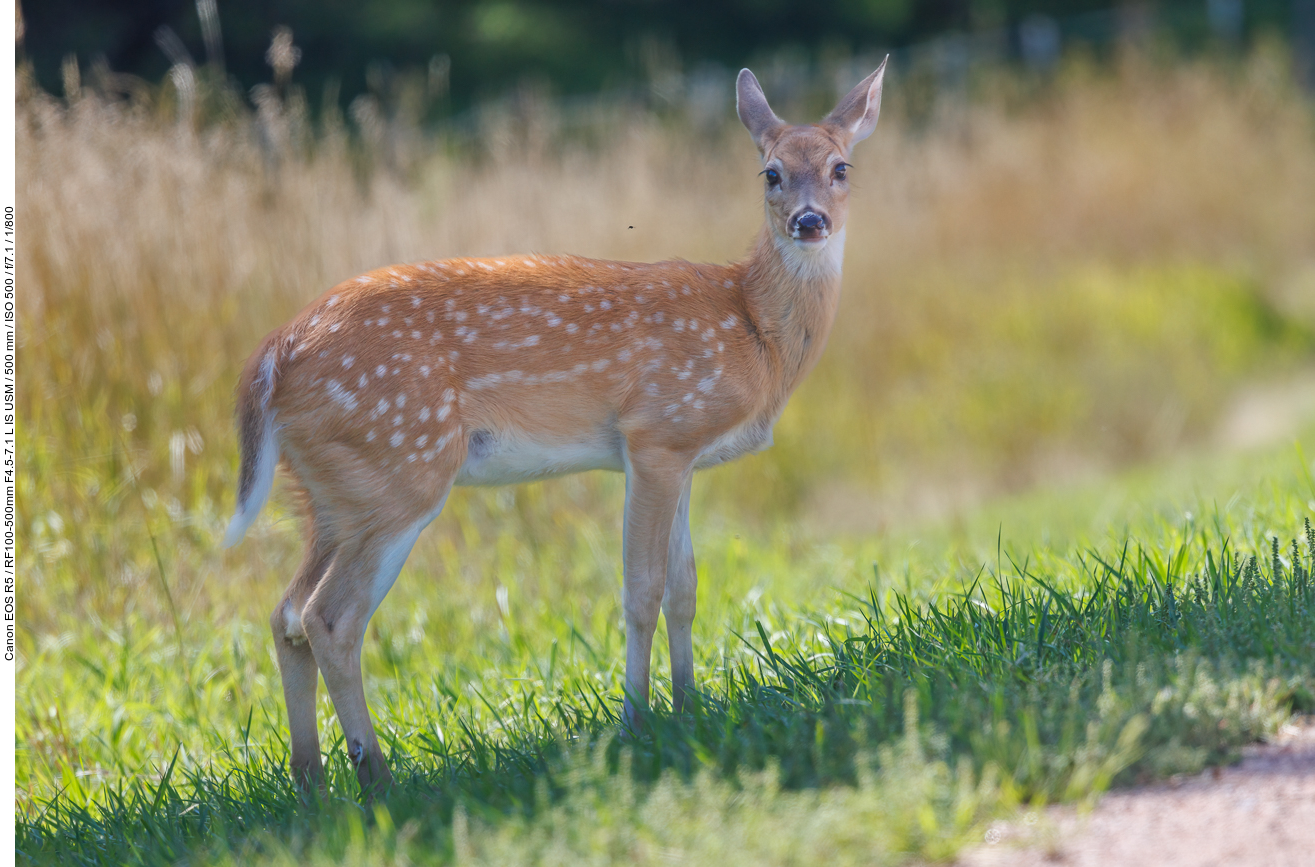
column 259, row 445
column 399, row 384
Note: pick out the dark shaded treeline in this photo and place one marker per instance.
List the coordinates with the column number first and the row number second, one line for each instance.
column 478, row 48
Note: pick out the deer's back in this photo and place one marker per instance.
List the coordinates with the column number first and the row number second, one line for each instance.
column 533, row 366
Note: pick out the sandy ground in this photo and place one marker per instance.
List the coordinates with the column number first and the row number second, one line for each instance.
column 1259, row 812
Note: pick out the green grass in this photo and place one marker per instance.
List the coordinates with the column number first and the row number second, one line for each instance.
column 870, row 716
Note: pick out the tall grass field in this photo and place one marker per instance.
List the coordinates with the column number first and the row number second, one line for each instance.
column 1020, row 538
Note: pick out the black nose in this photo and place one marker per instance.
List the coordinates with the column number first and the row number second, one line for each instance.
column 810, row 220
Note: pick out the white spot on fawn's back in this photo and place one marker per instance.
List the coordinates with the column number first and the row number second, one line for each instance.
column 481, row 382
column 341, row 395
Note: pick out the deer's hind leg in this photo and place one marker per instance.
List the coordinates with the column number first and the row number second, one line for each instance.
column 376, row 514
column 335, row 618
column 297, row 662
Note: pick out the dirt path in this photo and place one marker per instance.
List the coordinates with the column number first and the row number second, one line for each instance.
column 1260, row 812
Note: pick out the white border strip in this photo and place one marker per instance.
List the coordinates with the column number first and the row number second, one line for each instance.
column 8, row 444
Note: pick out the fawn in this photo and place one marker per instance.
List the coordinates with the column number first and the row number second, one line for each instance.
column 397, row 385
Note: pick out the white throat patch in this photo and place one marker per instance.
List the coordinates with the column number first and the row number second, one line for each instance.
column 809, row 264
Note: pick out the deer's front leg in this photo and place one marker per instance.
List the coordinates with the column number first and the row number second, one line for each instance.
column 655, row 479
column 678, row 602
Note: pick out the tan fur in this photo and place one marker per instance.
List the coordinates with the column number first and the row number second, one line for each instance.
column 396, row 385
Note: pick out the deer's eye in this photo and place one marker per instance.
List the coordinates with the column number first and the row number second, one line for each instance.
column 841, row 168
column 773, row 177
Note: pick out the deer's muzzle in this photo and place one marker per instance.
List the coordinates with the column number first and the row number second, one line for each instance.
column 809, row 225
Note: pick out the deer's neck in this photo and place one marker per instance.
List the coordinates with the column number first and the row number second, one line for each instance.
column 792, row 295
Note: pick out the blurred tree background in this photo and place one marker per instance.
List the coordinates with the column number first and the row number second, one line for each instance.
column 472, row 50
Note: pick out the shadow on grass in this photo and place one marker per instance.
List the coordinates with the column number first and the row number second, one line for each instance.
column 1159, row 662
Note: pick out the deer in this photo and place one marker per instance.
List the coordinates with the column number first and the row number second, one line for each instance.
column 399, row 384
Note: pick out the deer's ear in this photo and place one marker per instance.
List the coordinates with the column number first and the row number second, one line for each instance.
column 756, row 115
column 856, row 115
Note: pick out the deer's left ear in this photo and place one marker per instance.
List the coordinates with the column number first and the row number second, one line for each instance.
column 856, row 115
